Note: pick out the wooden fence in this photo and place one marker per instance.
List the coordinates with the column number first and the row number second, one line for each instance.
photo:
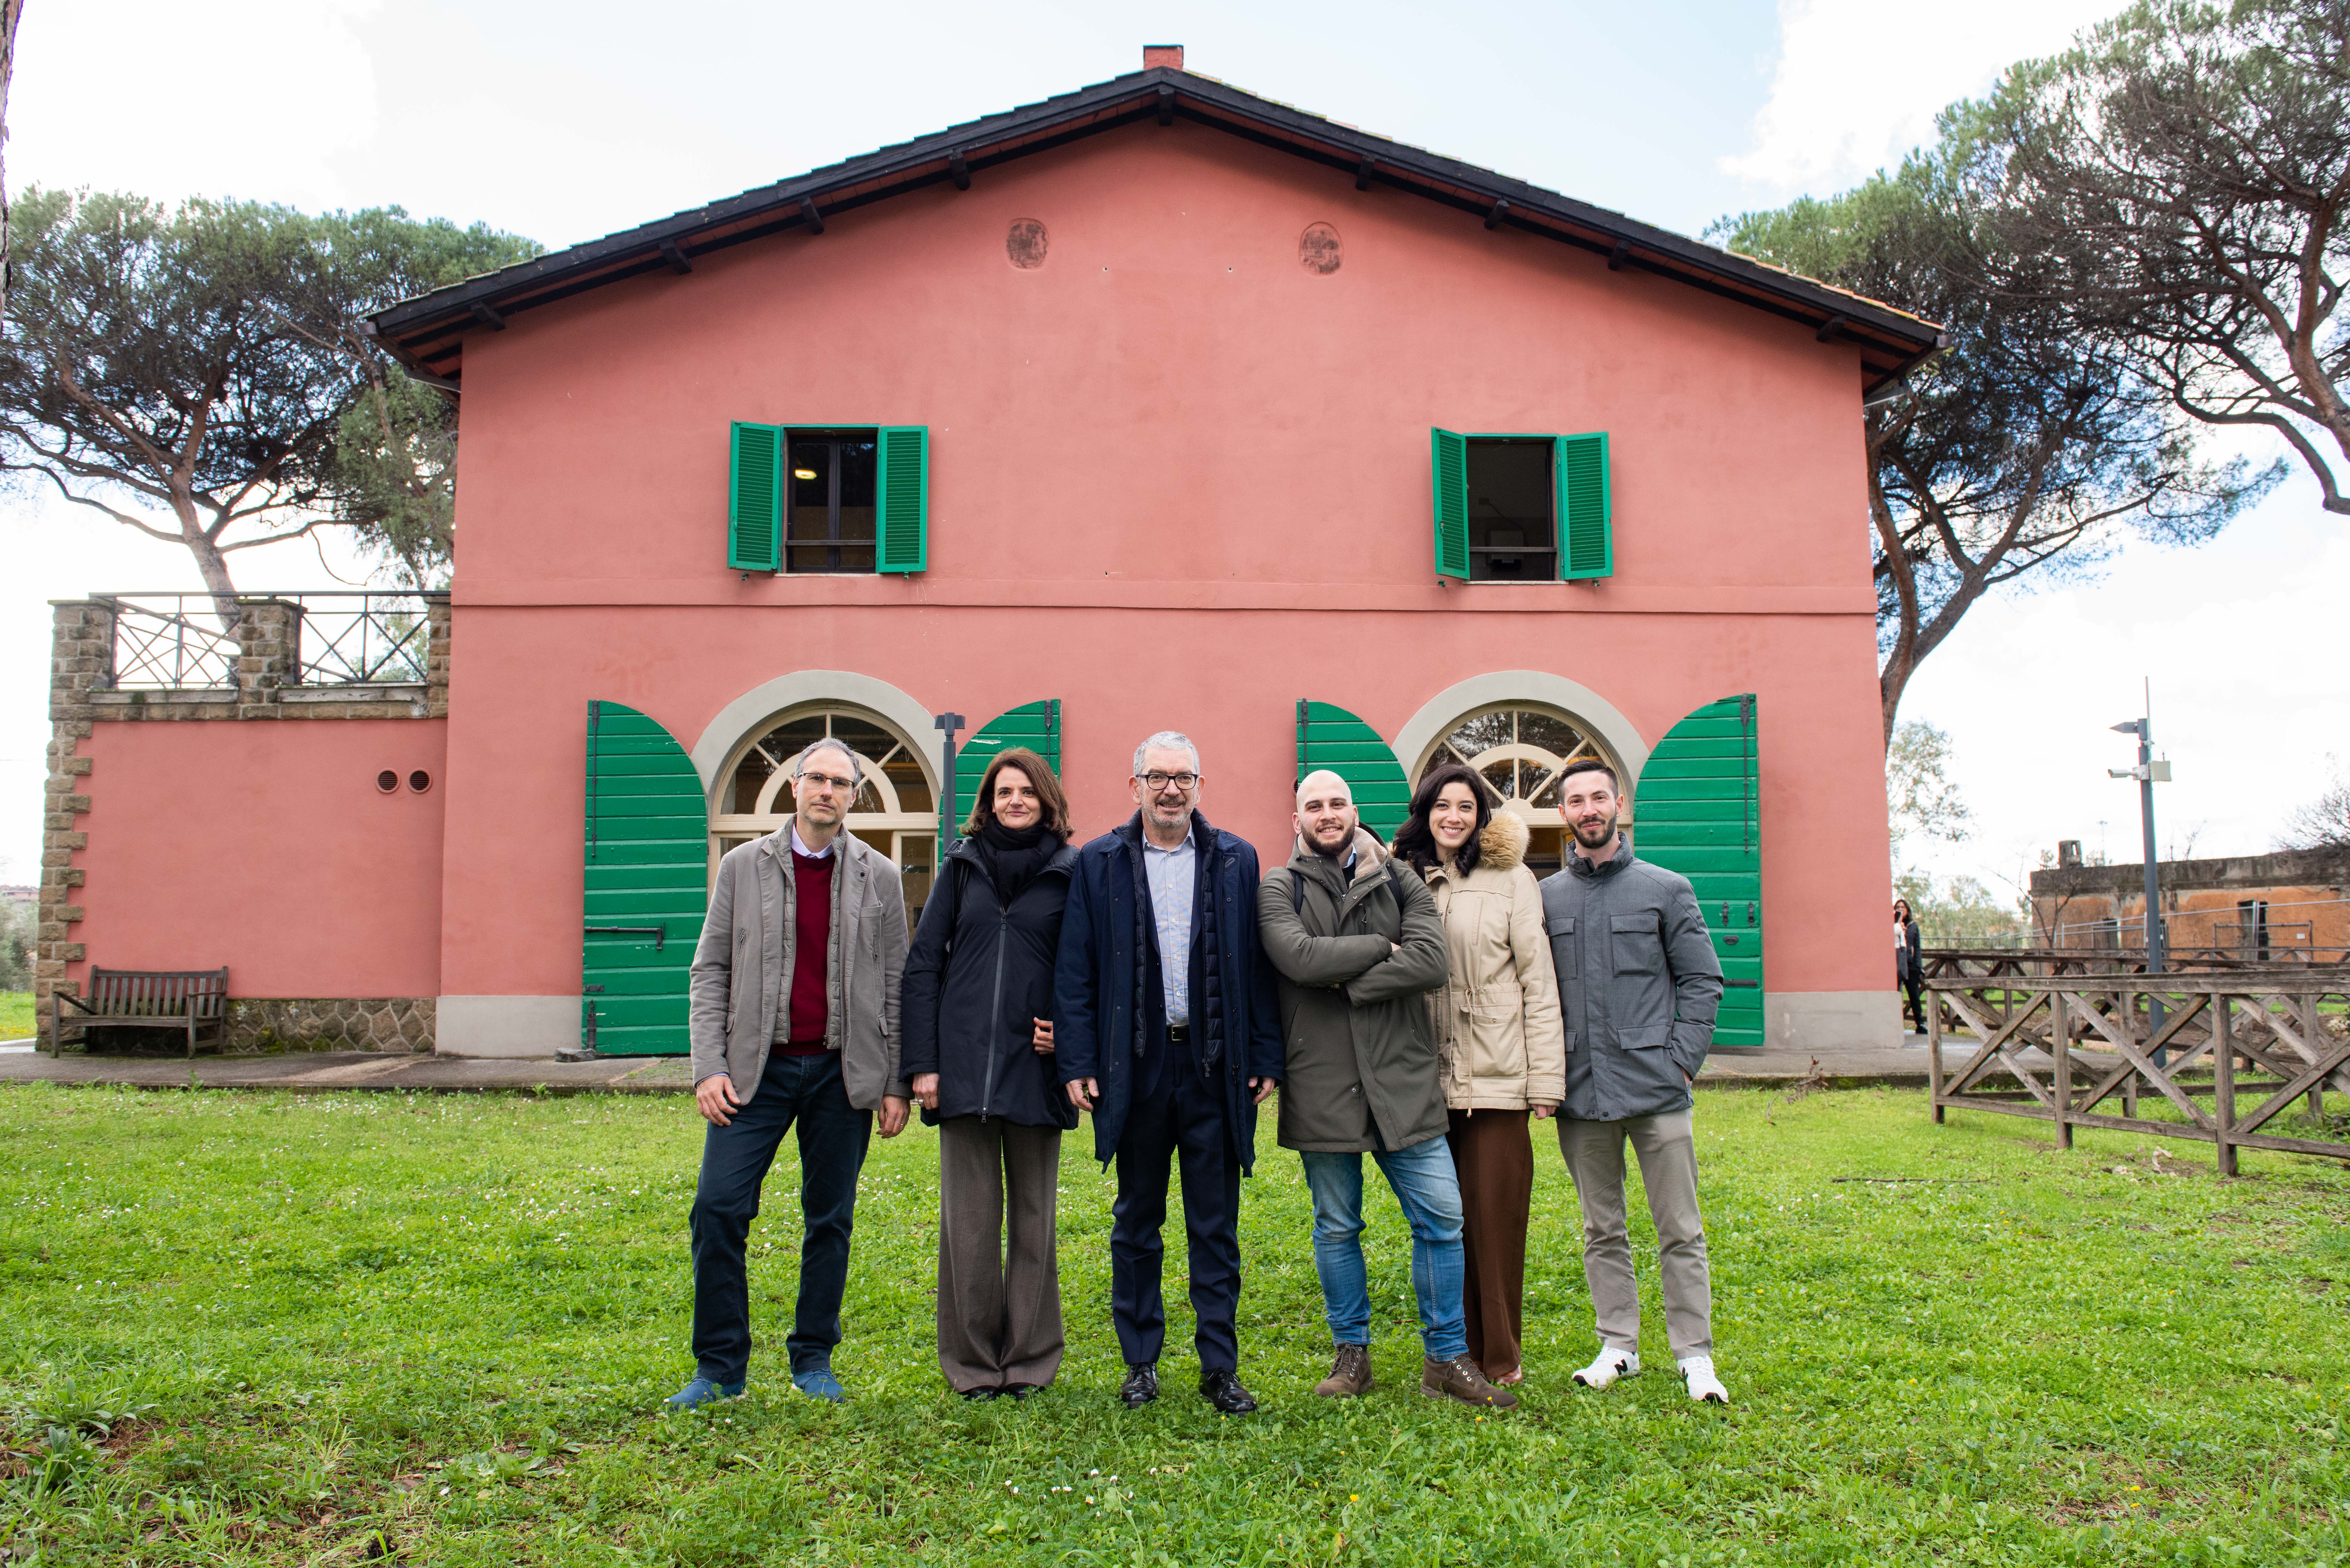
column 2230, row 1050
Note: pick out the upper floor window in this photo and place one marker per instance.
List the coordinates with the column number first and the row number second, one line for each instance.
column 1522, row 508
column 828, row 499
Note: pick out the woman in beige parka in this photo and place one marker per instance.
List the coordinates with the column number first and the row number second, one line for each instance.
column 1498, row 1033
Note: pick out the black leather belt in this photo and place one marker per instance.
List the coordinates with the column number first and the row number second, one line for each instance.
column 1179, row 1034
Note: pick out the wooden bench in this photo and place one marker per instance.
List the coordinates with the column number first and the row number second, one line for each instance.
column 186, row 1000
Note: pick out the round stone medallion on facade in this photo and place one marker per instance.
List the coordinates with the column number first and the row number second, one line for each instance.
column 1025, row 243
column 1318, row 250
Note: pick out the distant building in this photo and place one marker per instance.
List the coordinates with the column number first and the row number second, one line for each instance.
column 15, row 895
column 2291, row 905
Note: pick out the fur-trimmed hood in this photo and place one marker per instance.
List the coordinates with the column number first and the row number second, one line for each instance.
column 1502, row 845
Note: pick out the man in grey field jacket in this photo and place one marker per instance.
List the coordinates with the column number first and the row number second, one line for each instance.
column 1639, row 987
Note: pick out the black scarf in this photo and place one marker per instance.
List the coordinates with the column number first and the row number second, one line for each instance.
column 1014, row 856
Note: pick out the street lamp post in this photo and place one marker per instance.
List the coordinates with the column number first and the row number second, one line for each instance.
column 2148, row 773
column 950, row 723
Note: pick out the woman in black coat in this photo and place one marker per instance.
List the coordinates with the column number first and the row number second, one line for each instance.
column 1908, row 966
column 975, row 1007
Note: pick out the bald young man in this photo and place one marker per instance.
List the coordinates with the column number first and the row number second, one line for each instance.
column 1358, row 945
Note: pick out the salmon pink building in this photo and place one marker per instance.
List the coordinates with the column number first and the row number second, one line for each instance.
column 1155, row 405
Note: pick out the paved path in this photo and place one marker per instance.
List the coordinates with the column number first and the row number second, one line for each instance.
column 335, row 1071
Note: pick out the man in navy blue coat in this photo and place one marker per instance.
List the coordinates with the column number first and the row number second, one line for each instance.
column 1164, row 1009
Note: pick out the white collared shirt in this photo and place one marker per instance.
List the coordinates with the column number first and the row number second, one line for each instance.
column 799, row 844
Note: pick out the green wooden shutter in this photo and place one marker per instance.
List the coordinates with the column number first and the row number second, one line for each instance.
column 1700, row 813
column 1587, row 532
column 1330, row 737
column 1447, row 466
column 1036, row 725
column 648, row 859
column 755, row 499
column 904, row 528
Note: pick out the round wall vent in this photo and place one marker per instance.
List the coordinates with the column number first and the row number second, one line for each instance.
column 387, row 781
column 420, row 781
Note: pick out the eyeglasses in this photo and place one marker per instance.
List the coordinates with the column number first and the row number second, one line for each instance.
column 1184, row 782
column 823, row 781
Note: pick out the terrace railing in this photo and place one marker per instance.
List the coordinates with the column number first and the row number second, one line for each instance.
column 348, row 636
column 2226, row 1052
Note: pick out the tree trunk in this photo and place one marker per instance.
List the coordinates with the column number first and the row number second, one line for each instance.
column 214, row 566
column 10, row 10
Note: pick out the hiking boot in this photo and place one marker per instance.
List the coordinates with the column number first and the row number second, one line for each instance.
column 1460, row 1378
column 1350, row 1374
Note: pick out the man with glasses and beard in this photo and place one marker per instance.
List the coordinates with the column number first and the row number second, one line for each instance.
column 1164, row 1008
column 1638, row 985
column 793, row 1020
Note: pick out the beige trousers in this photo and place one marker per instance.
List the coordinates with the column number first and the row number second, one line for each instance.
column 1667, row 1148
column 998, row 1294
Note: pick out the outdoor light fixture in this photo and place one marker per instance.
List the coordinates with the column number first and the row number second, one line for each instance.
column 804, row 473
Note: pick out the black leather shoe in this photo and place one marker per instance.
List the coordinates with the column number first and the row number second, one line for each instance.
column 976, row 1395
column 1141, row 1385
column 1022, row 1390
column 1221, row 1386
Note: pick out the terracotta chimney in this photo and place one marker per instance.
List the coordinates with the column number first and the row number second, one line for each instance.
column 1154, row 55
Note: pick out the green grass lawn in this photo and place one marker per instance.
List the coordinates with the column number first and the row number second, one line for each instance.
column 327, row 1329
column 15, row 1014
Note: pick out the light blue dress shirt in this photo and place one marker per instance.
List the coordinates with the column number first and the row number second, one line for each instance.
column 1173, row 875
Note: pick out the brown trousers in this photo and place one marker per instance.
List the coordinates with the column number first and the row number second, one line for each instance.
column 999, row 1294
column 1495, row 1158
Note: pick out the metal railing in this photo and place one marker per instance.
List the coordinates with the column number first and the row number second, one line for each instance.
column 160, row 644
column 342, row 637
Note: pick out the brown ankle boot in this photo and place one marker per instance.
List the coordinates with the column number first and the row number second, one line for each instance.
column 1461, row 1380
column 1350, row 1374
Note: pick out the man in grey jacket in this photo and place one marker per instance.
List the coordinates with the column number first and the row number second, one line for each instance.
column 1358, row 945
column 1638, row 986
column 794, row 1019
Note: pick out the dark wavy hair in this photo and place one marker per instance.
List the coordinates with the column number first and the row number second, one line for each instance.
column 1415, row 842
column 1053, row 803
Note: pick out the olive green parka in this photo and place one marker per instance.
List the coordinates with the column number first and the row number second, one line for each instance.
column 1357, row 953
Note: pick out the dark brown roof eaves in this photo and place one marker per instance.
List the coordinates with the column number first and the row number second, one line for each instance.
column 427, row 333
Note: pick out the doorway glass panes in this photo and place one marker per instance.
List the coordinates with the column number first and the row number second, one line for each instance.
column 1521, row 751
column 896, row 812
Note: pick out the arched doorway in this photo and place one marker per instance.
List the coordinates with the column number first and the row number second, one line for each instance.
column 896, row 812
column 1520, row 749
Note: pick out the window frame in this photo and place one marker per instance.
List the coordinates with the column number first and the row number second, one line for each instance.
column 1556, row 549
column 833, row 437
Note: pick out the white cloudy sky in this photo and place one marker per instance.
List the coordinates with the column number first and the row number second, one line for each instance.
column 567, row 121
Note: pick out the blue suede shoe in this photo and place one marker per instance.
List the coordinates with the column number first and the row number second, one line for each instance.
column 818, row 1383
column 702, row 1391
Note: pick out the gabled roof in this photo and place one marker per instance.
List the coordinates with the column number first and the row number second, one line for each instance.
column 427, row 334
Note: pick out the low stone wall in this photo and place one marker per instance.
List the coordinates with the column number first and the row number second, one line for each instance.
column 395, row 1024
column 268, row 1026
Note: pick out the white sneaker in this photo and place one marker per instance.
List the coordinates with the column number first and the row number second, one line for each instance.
column 1697, row 1371
column 1611, row 1364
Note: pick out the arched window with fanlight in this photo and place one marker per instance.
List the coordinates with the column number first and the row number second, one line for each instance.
column 1521, row 749
column 896, row 812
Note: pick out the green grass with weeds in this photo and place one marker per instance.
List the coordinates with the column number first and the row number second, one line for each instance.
column 15, row 1014
column 243, row 1328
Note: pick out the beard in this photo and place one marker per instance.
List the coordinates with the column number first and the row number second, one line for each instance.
column 1592, row 834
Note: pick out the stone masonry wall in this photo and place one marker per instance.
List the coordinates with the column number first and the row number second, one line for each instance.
column 267, row 675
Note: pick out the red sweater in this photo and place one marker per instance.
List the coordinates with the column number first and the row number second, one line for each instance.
column 811, row 952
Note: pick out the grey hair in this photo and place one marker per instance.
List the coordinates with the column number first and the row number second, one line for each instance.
column 1166, row 741
column 829, row 743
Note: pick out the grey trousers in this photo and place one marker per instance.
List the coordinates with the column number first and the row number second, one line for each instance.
column 999, row 1303
column 1666, row 1147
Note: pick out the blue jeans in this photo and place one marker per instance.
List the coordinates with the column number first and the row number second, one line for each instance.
column 1430, row 1191
column 805, row 1090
